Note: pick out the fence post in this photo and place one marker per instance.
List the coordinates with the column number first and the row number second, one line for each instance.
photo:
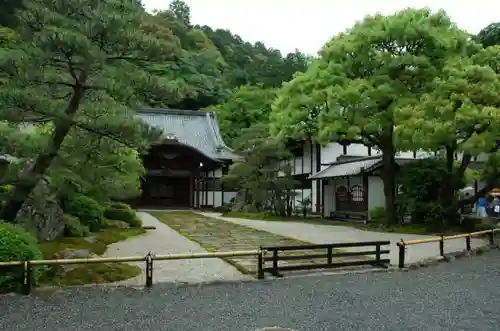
column 329, row 255
column 467, row 243
column 275, row 263
column 27, row 284
column 149, row 270
column 260, row 264
column 377, row 254
column 441, row 245
column 402, row 247
column 491, row 236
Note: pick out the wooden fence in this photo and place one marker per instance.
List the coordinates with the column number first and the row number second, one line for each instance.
column 26, row 266
column 402, row 245
column 369, row 257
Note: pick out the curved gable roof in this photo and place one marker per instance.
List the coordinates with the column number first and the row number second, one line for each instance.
column 198, row 129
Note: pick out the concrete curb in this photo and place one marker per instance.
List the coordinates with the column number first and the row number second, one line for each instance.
column 450, row 257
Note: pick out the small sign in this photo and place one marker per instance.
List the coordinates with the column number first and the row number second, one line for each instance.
column 170, row 136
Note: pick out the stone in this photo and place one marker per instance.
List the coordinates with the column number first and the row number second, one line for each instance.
column 91, row 239
column 77, row 254
column 74, row 254
column 41, row 214
column 118, row 224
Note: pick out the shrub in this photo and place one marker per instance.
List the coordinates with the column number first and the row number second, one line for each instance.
column 73, row 227
column 485, row 226
column 87, row 210
column 17, row 244
column 222, row 209
column 126, row 215
column 378, row 215
column 470, row 223
column 119, row 205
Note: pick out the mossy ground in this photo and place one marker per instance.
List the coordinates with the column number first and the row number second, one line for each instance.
column 89, row 273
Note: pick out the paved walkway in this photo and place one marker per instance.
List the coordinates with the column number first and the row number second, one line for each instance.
column 325, row 234
column 164, row 240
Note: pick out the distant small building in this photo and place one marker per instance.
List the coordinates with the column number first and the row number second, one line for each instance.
column 184, row 168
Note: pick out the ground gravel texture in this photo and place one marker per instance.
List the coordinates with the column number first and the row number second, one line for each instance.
column 463, row 295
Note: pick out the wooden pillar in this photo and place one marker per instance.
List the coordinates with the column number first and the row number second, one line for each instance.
column 224, row 172
column 323, row 186
column 318, row 184
column 365, row 190
column 213, row 188
column 191, row 191
column 206, row 189
column 349, row 198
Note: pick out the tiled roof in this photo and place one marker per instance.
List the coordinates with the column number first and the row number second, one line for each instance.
column 198, row 129
column 347, row 168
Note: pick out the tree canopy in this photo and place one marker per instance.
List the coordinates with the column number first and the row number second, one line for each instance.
column 363, row 76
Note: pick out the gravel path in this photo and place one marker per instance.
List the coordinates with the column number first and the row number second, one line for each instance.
column 325, row 234
column 164, row 240
column 463, row 295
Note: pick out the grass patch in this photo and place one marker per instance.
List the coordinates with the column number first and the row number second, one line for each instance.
column 89, row 273
column 95, row 274
column 403, row 229
column 218, row 235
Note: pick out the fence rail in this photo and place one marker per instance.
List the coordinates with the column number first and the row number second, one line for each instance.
column 329, row 257
column 27, row 266
column 441, row 240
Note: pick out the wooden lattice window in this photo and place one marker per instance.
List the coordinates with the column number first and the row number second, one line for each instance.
column 357, row 193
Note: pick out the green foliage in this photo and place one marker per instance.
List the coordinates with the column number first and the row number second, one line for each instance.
column 485, row 226
column 247, row 105
column 79, row 66
column 378, row 215
column 17, row 244
column 87, row 210
column 96, row 167
column 264, row 177
column 490, row 35
column 254, row 64
column 420, row 184
column 121, row 214
column 119, row 205
column 73, row 227
column 363, row 77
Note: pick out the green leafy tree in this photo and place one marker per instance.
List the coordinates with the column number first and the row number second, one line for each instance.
column 80, row 66
column 263, row 177
column 366, row 73
column 490, row 35
column 246, row 106
column 459, row 116
column 181, row 11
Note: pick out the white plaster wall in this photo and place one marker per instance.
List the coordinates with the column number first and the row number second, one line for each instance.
column 376, row 196
column 314, row 193
column 329, row 198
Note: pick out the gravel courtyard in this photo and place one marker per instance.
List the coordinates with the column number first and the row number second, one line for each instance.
column 463, row 295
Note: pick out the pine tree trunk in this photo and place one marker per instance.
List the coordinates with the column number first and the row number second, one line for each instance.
column 388, row 178
column 30, row 178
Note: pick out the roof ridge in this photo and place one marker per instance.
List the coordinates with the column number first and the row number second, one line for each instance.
column 172, row 111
